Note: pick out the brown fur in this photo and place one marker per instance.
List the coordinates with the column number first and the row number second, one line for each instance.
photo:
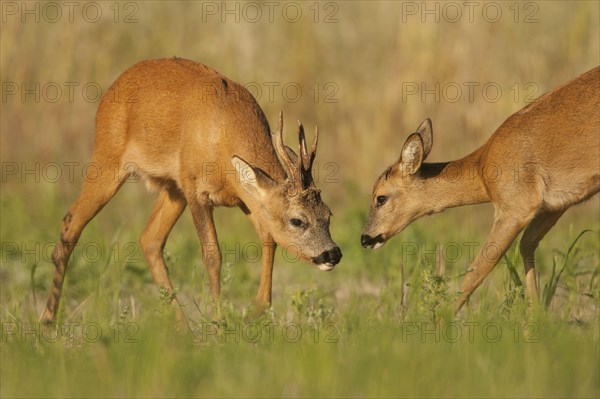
column 190, row 133
column 539, row 162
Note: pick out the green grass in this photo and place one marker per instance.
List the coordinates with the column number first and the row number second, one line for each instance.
column 378, row 326
column 371, row 358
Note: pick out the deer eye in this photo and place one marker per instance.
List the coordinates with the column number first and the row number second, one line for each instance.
column 382, row 199
column 296, row 222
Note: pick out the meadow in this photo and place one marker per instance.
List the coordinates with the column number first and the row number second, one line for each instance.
column 380, row 324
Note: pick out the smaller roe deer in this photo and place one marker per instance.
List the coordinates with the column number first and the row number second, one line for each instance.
column 203, row 141
column 541, row 160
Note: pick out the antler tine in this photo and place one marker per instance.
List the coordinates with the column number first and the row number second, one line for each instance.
column 302, row 147
column 313, row 149
column 308, row 157
column 305, row 158
column 280, row 122
column 280, row 150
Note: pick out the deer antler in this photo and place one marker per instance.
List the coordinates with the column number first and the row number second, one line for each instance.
column 282, row 154
column 298, row 170
column 306, row 159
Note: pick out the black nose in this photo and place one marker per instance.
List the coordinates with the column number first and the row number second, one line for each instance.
column 367, row 241
column 332, row 257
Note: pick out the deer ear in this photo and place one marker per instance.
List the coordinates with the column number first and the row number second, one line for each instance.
column 412, row 154
column 253, row 180
column 425, row 130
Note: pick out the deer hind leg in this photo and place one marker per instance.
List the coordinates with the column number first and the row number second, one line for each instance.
column 202, row 214
column 167, row 209
column 533, row 234
column 503, row 233
column 95, row 193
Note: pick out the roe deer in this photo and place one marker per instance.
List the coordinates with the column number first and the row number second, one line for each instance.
column 203, row 141
column 539, row 162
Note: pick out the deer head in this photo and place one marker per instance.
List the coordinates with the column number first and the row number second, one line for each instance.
column 399, row 194
column 291, row 210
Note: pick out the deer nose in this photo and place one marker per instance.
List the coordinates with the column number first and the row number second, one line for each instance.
column 368, row 242
column 331, row 257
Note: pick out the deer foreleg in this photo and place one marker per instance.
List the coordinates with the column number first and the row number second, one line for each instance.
column 503, row 233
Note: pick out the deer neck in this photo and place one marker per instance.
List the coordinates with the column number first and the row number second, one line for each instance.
column 454, row 183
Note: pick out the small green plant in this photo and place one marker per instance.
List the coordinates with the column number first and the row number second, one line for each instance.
column 32, row 282
column 124, row 313
column 300, row 301
column 227, row 274
column 515, row 291
column 167, row 297
column 434, row 294
column 308, row 304
column 552, row 284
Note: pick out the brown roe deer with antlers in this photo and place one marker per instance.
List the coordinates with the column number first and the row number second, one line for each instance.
column 539, row 162
column 203, row 141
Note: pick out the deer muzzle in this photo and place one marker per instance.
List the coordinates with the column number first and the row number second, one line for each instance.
column 328, row 259
column 372, row 242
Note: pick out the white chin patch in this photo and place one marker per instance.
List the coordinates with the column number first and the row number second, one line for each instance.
column 325, row 267
column 378, row 245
